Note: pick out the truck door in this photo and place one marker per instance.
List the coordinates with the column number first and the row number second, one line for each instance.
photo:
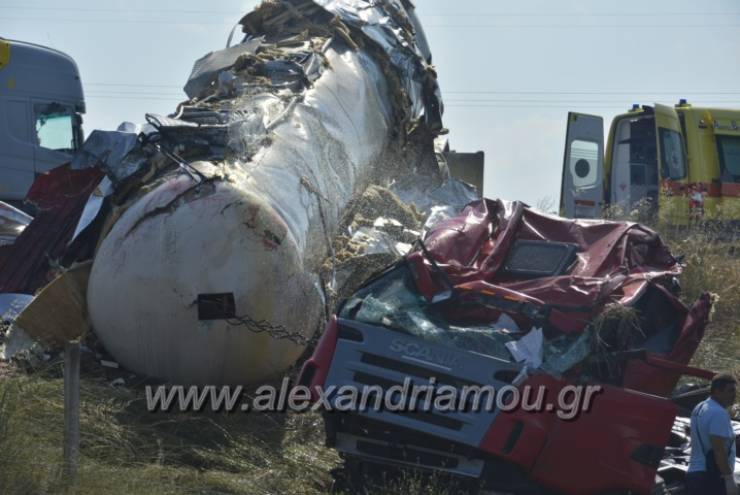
column 620, row 441
column 582, row 187
column 673, row 202
column 16, row 149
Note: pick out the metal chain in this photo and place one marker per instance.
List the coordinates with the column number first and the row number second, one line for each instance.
column 278, row 332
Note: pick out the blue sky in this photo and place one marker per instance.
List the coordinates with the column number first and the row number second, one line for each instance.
column 509, row 71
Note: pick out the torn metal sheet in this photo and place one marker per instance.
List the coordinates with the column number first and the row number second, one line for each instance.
column 12, row 223
column 11, row 305
column 206, row 70
column 13, row 341
column 105, row 148
column 390, row 26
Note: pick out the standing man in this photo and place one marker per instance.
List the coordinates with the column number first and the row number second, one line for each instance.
column 712, row 464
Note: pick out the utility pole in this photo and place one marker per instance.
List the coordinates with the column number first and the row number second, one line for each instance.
column 71, row 412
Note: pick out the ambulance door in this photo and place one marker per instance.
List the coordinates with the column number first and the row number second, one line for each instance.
column 673, row 201
column 582, row 187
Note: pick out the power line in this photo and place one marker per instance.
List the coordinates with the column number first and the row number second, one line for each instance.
column 134, row 93
column 449, row 14
column 541, row 97
column 137, row 85
column 481, row 105
column 541, row 100
column 143, row 11
column 544, row 96
column 569, row 101
column 597, row 92
column 652, row 14
column 483, row 91
column 120, row 21
column 575, row 106
column 445, row 26
column 121, row 97
column 590, row 26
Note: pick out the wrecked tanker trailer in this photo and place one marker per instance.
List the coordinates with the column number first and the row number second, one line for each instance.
column 217, row 219
column 503, row 295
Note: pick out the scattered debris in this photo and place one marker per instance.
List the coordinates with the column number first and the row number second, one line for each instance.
column 118, row 382
column 12, row 339
column 58, row 313
column 528, row 349
column 11, row 305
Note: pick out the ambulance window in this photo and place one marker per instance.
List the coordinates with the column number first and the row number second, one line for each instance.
column 672, row 155
column 584, row 159
column 55, row 127
column 729, row 156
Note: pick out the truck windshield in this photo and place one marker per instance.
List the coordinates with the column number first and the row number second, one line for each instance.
column 392, row 301
column 57, row 127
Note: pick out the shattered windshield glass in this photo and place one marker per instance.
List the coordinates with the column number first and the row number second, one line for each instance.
column 392, row 301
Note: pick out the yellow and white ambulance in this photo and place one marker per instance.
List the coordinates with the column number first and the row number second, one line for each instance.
column 683, row 162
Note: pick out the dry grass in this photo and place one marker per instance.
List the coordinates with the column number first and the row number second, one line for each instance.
column 125, row 449
column 714, row 266
column 711, row 259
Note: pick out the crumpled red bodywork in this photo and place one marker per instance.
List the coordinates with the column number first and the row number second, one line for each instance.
column 616, row 263
column 60, row 196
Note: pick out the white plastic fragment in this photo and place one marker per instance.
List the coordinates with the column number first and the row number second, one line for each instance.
column 528, row 349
